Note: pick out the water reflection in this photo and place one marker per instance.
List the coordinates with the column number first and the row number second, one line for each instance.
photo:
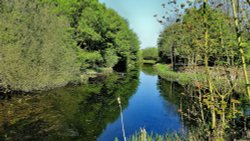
column 147, row 109
column 148, row 70
column 192, row 110
column 70, row 113
column 90, row 112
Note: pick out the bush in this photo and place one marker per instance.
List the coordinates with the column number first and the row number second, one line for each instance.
column 36, row 50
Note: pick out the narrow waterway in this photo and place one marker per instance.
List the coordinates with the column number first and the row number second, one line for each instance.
column 91, row 112
column 148, row 109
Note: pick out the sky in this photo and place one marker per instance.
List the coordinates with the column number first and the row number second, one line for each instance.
column 140, row 14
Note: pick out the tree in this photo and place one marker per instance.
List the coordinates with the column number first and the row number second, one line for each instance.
column 36, row 49
column 189, row 41
column 47, row 43
column 150, row 53
column 240, row 45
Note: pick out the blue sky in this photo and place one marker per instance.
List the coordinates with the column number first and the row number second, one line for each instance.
column 140, row 13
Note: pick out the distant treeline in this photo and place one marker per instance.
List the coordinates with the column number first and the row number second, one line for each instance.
column 49, row 43
column 150, row 53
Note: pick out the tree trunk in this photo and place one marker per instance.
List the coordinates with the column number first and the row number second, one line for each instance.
column 237, row 28
column 209, row 81
column 173, row 59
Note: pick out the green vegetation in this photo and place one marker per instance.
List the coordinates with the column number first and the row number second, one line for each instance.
column 186, row 40
column 144, row 136
column 36, row 49
column 189, row 77
column 182, row 78
column 149, row 61
column 207, row 45
column 149, row 55
column 194, row 113
column 69, row 113
column 148, row 69
column 50, row 43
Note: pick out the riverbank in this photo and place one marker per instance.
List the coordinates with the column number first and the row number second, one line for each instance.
column 63, row 113
column 151, row 62
column 82, row 78
column 182, row 78
column 223, row 79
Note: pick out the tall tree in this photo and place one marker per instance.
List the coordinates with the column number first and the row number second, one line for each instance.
column 206, row 47
column 240, row 44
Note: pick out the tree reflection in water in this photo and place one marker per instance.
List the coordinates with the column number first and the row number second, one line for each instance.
column 69, row 113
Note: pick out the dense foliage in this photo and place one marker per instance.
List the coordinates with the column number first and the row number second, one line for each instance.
column 186, row 38
column 214, row 35
column 150, row 53
column 48, row 43
column 103, row 36
column 36, row 49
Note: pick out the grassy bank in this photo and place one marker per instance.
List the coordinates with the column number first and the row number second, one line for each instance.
column 197, row 77
column 181, row 77
column 149, row 62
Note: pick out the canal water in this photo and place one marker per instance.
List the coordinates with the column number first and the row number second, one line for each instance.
column 147, row 109
column 91, row 112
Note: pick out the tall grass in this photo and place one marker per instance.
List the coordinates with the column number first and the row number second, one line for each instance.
column 144, row 136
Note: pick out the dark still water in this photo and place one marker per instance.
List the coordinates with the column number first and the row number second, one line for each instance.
column 91, row 112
